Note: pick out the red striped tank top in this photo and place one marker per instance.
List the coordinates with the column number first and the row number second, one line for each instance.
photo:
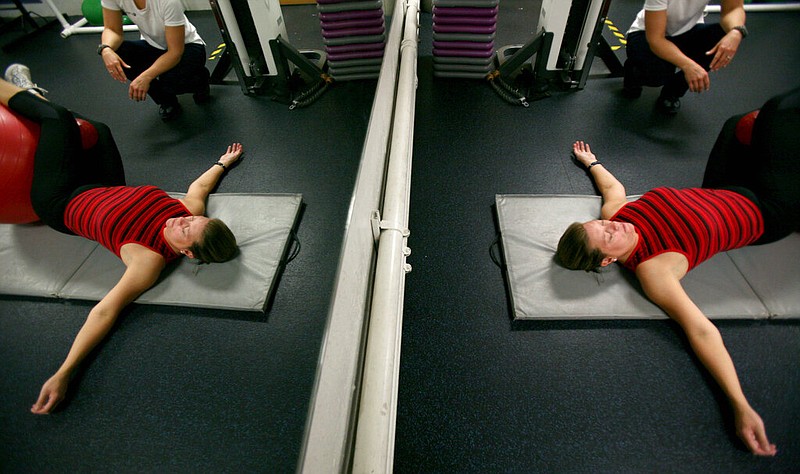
column 115, row 216
column 696, row 222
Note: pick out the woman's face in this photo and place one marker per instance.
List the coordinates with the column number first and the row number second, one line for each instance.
column 614, row 239
column 183, row 232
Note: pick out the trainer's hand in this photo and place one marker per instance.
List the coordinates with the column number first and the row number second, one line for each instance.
column 725, row 50
column 696, row 77
column 52, row 393
column 114, row 64
column 137, row 91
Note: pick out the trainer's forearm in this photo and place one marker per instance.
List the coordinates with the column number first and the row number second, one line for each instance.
column 732, row 14
column 113, row 32
column 668, row 51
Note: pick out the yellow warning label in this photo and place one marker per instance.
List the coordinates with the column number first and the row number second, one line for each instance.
column 617, row 34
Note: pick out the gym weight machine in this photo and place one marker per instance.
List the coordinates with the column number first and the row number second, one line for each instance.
column 264, row 61
column 570, row 36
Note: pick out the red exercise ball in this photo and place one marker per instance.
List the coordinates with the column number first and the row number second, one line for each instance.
column 744, row 128
column 18, row 139
column 88, row 134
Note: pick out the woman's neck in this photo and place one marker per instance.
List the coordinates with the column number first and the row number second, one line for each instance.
column 624, row 257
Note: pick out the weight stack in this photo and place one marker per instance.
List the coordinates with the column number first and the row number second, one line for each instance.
column 354, row 35
column 463, row 38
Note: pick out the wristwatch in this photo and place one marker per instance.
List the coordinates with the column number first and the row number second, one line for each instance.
column 741, row 29
column 101, row 47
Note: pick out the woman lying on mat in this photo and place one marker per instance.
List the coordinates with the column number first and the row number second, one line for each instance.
column 667, row 232
column 83, row 192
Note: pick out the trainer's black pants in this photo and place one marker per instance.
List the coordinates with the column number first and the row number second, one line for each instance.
column 650, row 70
column 189, row 75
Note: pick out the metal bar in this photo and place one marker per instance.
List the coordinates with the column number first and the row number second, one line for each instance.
column 521, row 56
column 598, row 46
column 374, row 447
column 540, row 65
column 766, row 7
column 296, row 57
column 330, row 426
column 79, row 26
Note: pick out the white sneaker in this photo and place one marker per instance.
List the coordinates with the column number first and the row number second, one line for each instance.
column 20, row 76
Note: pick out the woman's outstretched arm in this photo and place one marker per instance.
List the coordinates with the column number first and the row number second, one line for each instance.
column 143, row 269
column 195, row 199
column 659, row 277
column 610, row 188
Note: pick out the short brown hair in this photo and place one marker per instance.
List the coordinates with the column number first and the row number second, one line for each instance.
column 217, row 245
column 573, row 250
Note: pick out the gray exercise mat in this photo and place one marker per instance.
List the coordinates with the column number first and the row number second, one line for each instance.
column 772, row 271
column 38, row 261
column 530, row 226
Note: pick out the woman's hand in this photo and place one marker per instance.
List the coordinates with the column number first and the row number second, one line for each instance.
column 53, row 391
column 231, row 155
column 583, row 153
column 750, row 429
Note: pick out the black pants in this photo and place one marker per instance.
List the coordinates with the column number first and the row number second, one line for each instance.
column 645, row 68
column 62, row 169
column 189, row 75
column 768, row 169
